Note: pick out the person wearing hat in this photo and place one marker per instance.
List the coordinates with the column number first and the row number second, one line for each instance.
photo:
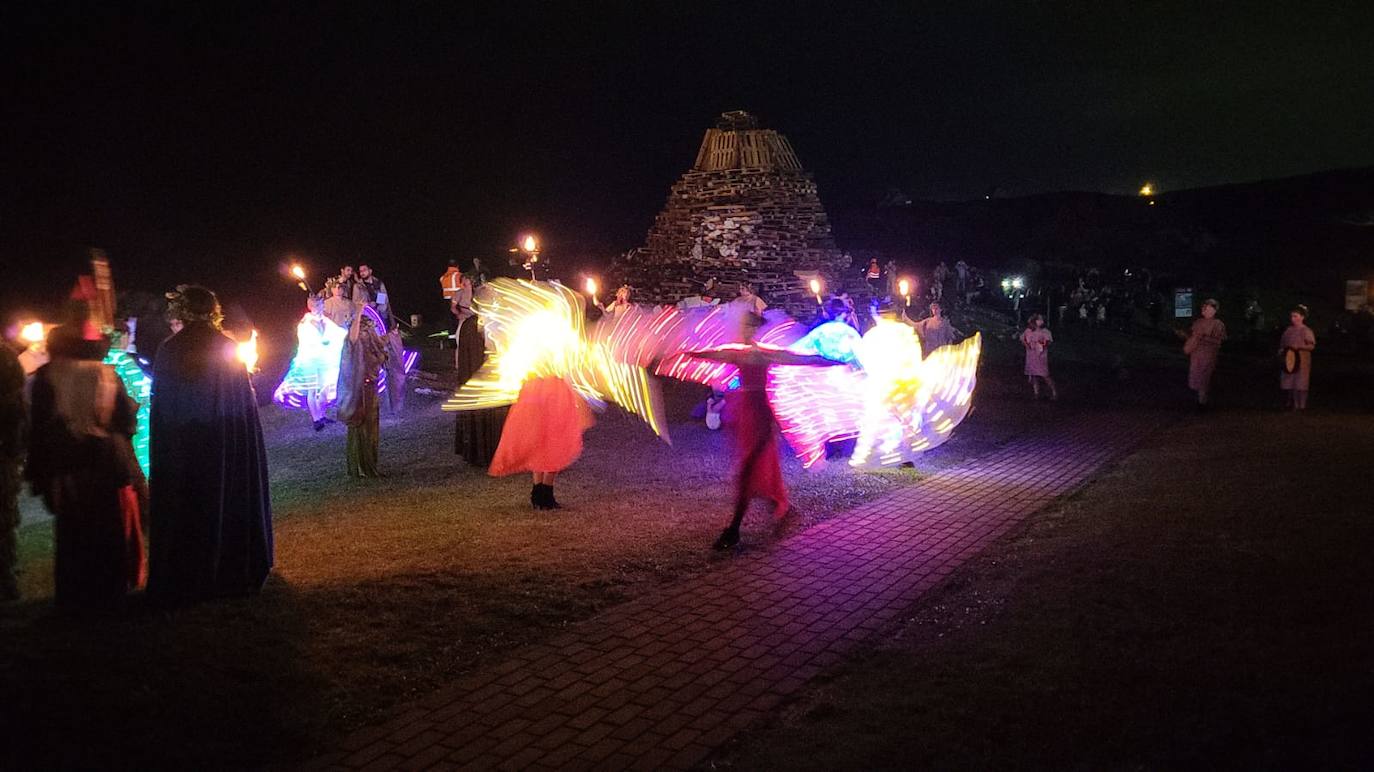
column 1203, row 343
column 210, row 517
column 81, row 463
column 1296, row 349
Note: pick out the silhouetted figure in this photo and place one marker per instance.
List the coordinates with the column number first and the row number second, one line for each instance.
column 81, row 462
column 211, row 513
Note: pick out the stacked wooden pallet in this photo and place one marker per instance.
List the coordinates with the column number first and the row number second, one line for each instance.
column 746, row 212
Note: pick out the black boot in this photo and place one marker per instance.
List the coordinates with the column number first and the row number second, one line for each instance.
column 549, row 501
column 727, row 539
column 537, row 496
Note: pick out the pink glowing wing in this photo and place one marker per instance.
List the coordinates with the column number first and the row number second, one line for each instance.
column 704, row 329
column 816, row 405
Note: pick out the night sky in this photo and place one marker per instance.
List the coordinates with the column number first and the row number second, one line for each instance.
column 206, row 145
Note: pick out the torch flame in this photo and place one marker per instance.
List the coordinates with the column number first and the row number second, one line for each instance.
column 904, row 287
column 248, row 353
column 815, row 286
column 32, row 333
column 531, row 244
column 591, row 286
column 298, row 272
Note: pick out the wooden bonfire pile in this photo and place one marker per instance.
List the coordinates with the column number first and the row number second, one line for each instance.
column 746, row 212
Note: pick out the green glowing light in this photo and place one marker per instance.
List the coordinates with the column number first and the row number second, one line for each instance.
column 140, row 387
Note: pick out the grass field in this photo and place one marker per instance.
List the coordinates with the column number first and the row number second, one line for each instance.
column 385, row 590
column 1205, row 604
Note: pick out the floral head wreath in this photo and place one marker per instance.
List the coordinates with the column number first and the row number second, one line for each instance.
column 194, row 303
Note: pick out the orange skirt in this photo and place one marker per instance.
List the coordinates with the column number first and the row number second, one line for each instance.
column 543, row 432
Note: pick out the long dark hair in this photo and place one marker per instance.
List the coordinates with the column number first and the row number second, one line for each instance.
column 1030, row 320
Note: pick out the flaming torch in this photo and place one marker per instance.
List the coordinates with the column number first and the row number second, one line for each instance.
column 248, row 353
column 904, row 287
column 32, row 333
column 299, row 274
column 816, row 288
column 591, row 290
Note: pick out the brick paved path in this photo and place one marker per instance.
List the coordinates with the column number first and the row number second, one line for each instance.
column 662, row 680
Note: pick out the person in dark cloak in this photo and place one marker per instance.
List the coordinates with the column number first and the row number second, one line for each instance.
column 364, row 354
column 211, row 514
column 81, row 463
column 13, row 420
column 476, row 432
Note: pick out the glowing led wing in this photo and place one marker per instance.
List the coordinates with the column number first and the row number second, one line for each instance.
column 538, row 329
column 911, row 403
column 712, row 327
column 317, row 359
column 948, row 376
column 139, row 386
column 816, row 405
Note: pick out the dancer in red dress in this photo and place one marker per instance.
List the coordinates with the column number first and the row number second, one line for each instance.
column 542, row 435
column 758, row 472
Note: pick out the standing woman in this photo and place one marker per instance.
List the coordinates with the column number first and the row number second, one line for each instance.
column 315, row 367
column 1037, row 339
column 476, row 433
column 620, row 305
column 1296, row 349
column 467, row 357
column 1204, row 341
column 364, row 354
column 542, row 435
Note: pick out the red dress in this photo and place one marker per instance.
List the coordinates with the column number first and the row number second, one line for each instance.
column 543, row 432
column 758, row 472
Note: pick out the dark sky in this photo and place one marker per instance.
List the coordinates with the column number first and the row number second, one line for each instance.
column 203, row 144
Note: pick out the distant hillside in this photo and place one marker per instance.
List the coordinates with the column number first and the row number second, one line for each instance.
column 1308, row 232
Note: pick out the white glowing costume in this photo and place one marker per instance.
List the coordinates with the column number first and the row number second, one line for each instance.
column 315, row 368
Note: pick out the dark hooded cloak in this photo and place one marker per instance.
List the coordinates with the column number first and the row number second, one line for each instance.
column 211, row 511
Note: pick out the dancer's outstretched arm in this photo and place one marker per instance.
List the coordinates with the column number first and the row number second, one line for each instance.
column 804, row 360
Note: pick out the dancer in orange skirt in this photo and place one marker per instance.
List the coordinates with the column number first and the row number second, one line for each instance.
column 542, row 435
column 758, row 471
